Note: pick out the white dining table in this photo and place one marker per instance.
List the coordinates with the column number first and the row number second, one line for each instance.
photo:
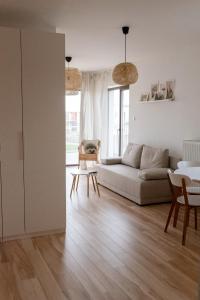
column 192, row 172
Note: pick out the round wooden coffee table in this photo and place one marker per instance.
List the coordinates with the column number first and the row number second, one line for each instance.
column 89, row 174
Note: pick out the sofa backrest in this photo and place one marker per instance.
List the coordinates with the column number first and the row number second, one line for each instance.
column 173, row 161
column 154, row 158
column 132, row 155
column 143, row 156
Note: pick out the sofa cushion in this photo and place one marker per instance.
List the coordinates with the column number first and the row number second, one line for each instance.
column 111, row 161
column 132, row 155
column 154, row 158
column 154, row 174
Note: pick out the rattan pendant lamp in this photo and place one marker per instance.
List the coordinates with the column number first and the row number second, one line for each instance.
column 125, row 73
column 72, row 79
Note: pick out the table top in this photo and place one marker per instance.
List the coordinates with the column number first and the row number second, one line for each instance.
column 192, row 172
column 83, row 172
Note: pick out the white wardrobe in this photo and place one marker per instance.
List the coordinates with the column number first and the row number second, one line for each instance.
column 32, row 132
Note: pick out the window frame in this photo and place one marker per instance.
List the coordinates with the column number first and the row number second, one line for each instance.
column 71, row 164
column 121, row 89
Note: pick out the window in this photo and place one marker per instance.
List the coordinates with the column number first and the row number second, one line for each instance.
column 118, row 123
column 72, row 109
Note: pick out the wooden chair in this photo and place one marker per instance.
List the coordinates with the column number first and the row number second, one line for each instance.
column 181, row 197
column 89, row 150
column 188, row 163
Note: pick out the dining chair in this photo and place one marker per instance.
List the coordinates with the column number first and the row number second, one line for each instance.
column 180, row 197
column 188, row 163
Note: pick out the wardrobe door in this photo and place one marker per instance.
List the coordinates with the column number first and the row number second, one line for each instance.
column 11, row 154
column 1, row 216
column 44, row 130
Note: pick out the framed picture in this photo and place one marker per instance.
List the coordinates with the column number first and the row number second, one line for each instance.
column 154, row 90
column 145, row 97
column 170, row 87
column 160, row 91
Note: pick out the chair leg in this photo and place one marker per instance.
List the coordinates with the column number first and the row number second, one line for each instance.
column 169, row 215
column 93, row 183
column 185, row 224
column 195, row 217
column 188, row 219
column 177, row 206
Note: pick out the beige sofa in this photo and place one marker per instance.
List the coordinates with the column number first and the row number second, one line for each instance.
column 140, row 175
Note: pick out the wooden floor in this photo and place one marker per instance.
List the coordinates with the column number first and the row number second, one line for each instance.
column 113, row 249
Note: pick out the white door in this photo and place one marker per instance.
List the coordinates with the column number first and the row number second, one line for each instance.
column 11, row 132
column 44, row 130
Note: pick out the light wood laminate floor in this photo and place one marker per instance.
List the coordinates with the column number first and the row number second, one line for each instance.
column 112, row 249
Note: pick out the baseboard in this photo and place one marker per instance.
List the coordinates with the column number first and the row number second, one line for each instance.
column 33, row 234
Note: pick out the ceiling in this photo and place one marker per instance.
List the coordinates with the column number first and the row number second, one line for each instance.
column 93, row 27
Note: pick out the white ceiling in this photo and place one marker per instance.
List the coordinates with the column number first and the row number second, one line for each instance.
column 93, row 27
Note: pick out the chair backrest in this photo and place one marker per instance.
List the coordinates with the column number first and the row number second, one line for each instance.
column 171, row 186
column 89, row 146
column 88, row 151
column 177, row 179
column 178, row 184
column 188, row 163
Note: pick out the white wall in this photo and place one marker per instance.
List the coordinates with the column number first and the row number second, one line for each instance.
column 168, row 124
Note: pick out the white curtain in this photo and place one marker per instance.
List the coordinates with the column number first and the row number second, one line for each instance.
column 94, row 107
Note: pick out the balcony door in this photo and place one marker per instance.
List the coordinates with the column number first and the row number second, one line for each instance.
column 118, row 131
column 72, row 110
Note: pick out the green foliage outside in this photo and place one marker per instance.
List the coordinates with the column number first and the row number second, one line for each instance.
column 71, row 148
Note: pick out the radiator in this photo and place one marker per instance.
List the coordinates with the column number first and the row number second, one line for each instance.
column 191, row 150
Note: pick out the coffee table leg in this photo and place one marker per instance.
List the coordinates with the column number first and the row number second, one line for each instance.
column 72, row 187
column 77, row 182
column 93, row 183
column 88, row 178
column 95, row 178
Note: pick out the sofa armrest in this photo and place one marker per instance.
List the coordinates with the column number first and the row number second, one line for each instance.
column 111, row 161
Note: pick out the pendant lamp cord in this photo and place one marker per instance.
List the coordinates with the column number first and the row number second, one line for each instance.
column 125, row 48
